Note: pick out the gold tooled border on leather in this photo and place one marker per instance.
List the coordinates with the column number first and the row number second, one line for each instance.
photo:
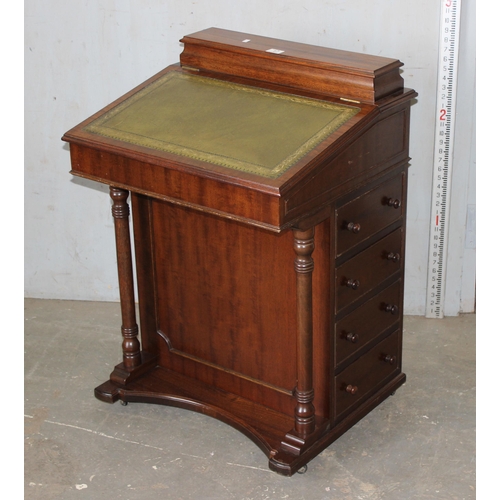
column 342, row 113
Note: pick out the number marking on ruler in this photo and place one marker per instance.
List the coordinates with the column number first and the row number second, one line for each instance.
column 443, row 155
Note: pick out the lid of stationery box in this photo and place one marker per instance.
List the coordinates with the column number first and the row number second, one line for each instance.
column 351, row 75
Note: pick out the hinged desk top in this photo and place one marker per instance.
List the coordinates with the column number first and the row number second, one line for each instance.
column 236, row 146
column 235, row 126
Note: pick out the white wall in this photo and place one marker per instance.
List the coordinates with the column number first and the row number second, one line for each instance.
column 81, row 55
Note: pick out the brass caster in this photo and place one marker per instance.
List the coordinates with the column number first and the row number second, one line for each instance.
column 123, row 403
column 302, row 470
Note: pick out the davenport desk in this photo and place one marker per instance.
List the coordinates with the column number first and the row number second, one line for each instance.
column 267, row 181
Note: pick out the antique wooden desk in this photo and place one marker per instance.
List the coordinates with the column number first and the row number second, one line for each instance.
column 268, row 193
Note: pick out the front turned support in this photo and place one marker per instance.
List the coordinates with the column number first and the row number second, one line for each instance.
column 304, row 392
column 135, row 362
column 294, row 451
column 130, row 346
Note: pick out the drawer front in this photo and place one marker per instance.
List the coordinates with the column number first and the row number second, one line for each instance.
column 366, row 270
column 368, row 372
column 364, row 216
column 366, row 322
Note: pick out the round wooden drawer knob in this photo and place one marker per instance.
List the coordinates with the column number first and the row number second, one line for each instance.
column 390, row 359
column 394, row 203
column 351, row 389
column 353, row 284
column 352, row 337
column 354, row 227
column 391, row 308
column 394, row 257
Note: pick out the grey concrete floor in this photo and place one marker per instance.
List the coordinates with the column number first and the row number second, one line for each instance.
column 419, row 444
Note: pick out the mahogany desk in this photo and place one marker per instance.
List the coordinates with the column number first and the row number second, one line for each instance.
column 268, row 188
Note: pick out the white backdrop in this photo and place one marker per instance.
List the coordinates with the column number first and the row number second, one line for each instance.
column 79, row 56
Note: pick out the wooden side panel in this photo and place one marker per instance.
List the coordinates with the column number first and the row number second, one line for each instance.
column 141, row 217
column 226, row 303
column 225, row 308
column 322, row 318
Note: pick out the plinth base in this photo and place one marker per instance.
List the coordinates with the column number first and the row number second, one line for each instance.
column 268, row 429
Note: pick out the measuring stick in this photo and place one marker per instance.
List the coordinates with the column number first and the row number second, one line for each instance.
column 443, row 155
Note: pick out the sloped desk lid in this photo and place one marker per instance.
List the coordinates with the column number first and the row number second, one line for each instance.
column 243, row 133
column 236, row 126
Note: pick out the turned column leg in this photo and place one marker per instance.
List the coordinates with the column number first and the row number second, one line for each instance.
column 130, row 330
column 304, row 392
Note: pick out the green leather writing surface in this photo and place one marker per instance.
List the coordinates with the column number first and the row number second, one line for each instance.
column 231, row 125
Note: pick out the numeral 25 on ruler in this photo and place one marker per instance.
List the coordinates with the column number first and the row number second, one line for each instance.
column 443, row 155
